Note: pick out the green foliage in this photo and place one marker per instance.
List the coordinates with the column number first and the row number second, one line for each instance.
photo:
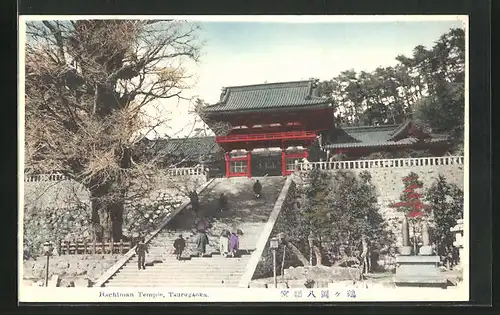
column 427, row 87
column 338, row 209
column 447, row 202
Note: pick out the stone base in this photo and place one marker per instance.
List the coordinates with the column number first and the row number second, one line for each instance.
column 405, row 250
column 425, row 251
column 419, row 271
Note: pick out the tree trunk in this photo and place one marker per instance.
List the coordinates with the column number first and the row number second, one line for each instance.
column 299, row 255
column 319, row 257
column 107, row 217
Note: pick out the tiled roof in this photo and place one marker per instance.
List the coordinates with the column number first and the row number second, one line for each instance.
column 373, row 136
column 190, row 148
column 268, row 96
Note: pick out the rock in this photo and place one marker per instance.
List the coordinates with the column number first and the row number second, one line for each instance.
column 38, row 270
column 62, row 265
column 82, row 283
column 321, row 284
column 54, row 281
column 296, row 283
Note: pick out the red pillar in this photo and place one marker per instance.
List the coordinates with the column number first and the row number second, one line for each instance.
column 249, row 164
column 283, row 162
column 228, row 168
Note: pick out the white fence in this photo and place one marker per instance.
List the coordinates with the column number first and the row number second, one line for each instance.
column 54, row 177
column 391, row 163
column 175, row 171
column 182, row 171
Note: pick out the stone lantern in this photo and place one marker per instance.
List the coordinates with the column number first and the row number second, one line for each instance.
column 458, row 230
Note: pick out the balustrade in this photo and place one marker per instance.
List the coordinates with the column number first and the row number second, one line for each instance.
column 381, row 163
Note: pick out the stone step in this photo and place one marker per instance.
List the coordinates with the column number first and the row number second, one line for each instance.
column 172, row 277
column 136, row 282
column 165, row 270
column 175, row 285
column 208, row 261
column 181, row 269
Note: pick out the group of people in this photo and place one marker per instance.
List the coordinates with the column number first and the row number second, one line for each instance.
column 229, row 243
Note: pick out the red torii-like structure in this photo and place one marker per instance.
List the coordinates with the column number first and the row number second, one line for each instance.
column 277, row 115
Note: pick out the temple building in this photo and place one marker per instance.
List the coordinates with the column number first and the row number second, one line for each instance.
column 268, row 126
column 264, row 129
column 359, row 142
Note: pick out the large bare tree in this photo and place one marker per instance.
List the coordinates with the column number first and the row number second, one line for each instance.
column 89, row 84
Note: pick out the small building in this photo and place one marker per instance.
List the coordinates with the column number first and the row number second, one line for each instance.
column 359, row 142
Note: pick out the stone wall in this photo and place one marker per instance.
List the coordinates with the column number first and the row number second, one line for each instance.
column 58, row 210
column 81, row 270
column 389, row 186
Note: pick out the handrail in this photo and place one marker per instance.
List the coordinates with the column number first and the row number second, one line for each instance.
column 122, row 261
column 264, row 236
column 381, row 163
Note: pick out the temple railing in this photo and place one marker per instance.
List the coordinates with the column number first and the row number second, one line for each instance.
column 382, row 163
column 183, row 171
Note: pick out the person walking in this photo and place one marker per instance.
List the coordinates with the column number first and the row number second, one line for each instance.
column 179, row 245
column 257, row 189
column 195, row 201
column 224, row 243
column 141, row 249
column 222, row 202
column 234, row 243
column 201, row 243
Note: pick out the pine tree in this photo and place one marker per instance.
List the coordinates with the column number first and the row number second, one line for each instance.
column 446, row 201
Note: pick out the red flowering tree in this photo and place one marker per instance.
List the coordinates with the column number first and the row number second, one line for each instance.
column 411, row 203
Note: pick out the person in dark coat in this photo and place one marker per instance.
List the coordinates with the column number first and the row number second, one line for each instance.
column 179, row 245
column 222, row 202
column 201, row 243
column 141, row 249
column 195, row 202
column 257, row 188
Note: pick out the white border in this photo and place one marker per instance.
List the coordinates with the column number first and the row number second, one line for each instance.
column 33, row 294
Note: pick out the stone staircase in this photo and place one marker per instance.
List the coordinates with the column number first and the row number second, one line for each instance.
column 212, row 270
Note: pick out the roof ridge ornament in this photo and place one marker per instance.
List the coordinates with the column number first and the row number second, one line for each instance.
column 223, row 95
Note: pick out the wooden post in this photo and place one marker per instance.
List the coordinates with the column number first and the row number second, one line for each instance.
column 274, row 269
column 283, row 162
column 283, row 264
column 228, row 165
column 121, row 246
column 249, row 164
column 93, row 247
column 103, row 245
column 111, row 245
column 67, row 247
column 85, row 247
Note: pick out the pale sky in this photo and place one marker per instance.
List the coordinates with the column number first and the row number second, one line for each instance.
column 241, row 53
